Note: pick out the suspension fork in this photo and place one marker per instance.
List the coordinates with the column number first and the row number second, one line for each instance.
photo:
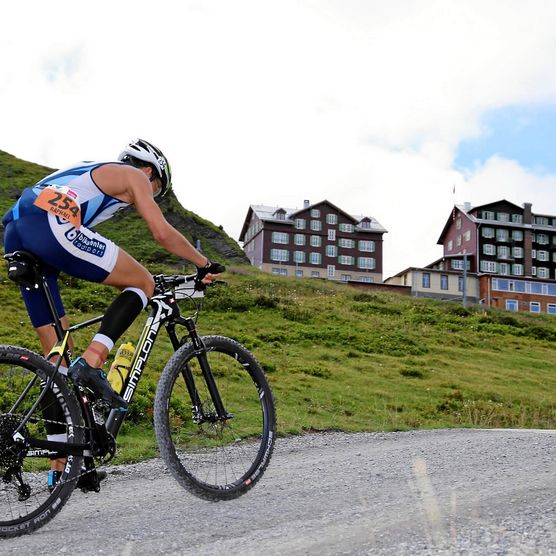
column 200, row 352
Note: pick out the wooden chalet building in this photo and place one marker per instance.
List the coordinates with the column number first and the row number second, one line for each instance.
column 317, row 241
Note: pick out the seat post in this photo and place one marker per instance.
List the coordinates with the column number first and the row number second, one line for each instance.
column 55, row 317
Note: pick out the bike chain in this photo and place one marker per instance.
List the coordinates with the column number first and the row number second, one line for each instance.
column 82, row 473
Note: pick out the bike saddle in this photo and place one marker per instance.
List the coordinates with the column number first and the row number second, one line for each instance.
column 24, row 268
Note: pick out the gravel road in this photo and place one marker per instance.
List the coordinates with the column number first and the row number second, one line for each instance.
column 459, row 491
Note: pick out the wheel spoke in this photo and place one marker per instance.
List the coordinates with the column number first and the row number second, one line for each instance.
column 24, row 491
column 221, row 457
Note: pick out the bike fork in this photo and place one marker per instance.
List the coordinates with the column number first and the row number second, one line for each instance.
column 201, row 354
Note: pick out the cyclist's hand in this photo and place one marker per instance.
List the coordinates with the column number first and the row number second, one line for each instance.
column 208, row 273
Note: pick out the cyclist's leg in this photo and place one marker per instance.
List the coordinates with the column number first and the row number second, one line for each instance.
column 138, row 286
column 42, row 319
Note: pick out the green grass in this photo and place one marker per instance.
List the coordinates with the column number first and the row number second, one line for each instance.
column 345, row 360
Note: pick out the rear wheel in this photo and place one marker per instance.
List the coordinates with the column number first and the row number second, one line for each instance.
column 26, row 501
column 215, row 458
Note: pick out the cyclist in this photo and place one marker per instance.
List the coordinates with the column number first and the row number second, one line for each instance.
column 54, row 219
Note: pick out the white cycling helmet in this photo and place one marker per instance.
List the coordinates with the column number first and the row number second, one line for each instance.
column 144, row 151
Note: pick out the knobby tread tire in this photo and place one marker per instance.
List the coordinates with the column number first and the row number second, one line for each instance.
column 22, row 357
column 162, row 422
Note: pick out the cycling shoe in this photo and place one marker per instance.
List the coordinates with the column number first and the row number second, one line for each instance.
column 85, row 481
column 95, row 379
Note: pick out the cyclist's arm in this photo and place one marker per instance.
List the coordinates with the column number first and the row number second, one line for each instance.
column 140, row 192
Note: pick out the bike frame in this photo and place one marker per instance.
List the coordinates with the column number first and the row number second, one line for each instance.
column 165, row 310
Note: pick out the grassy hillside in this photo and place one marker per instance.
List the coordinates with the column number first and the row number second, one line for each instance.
column 127, row 229
column 341, row 359
column 337, row 358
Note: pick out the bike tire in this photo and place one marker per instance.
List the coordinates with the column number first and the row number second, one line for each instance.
column 222, row 460
column 19, row 368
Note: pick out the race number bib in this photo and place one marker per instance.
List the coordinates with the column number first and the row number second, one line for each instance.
column 61, row 201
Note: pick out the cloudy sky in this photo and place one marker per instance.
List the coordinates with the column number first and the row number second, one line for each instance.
column 381, row 106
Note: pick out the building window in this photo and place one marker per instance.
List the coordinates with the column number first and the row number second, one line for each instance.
column 315, row 213
column 500, row 285
column 443, row 281
column 488, row 266
column 299, row 256
column 467, row 235
column 460, row 283
column 503, row 252
column 502, row 234
column 279, row 255
column 365, row 224
column 488, row 232
column 503, row 217
column 458, row 224
column 315, row 274
column 299, row 273
column 488, row 215
column 517, row 252
column 331, row 271
column 517, row 235
column 450, row 245
column 543, row 255
column 316, row 225
column 348, row 228
column 331, row 251
column 458, row 241
column 504, row 268
column 489, row 249
column 346, row 260
column 331, row 235
column 512, row 305
column 316, row 241
column 368, row 246
column 366, row 279
column 517, row 269
column 280, row 215
column 315, row 258
column 300, row 223
column 346, row 243
column 280, row 237
column 426, row 280
column 347, row 278
column 456, row 264
column 366, row 262
column 299, row 239
column 541, row 239
column 517, row 218
column 541, row 220
column 543, row 272
column 535, row 307
column 551, row 308
column 331, row 218
column 280, row 271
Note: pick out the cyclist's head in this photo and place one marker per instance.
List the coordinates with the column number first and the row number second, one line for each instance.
column 139, row 152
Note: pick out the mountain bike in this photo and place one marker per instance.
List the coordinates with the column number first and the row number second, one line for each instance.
column 214, row 415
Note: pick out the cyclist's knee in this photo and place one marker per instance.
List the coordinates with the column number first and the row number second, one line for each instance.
column 143, row 285
column 148, row 286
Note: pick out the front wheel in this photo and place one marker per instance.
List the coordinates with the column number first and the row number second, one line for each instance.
column 215, row 457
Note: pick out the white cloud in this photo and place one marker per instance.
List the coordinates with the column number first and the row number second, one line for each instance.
column 255, row 101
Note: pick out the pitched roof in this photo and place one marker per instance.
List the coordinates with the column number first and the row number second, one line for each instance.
column 267, row 213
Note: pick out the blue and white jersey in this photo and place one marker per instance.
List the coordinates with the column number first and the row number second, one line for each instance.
column 96, row 206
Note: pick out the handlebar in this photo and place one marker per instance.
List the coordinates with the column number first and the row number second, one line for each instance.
column 164, row 283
